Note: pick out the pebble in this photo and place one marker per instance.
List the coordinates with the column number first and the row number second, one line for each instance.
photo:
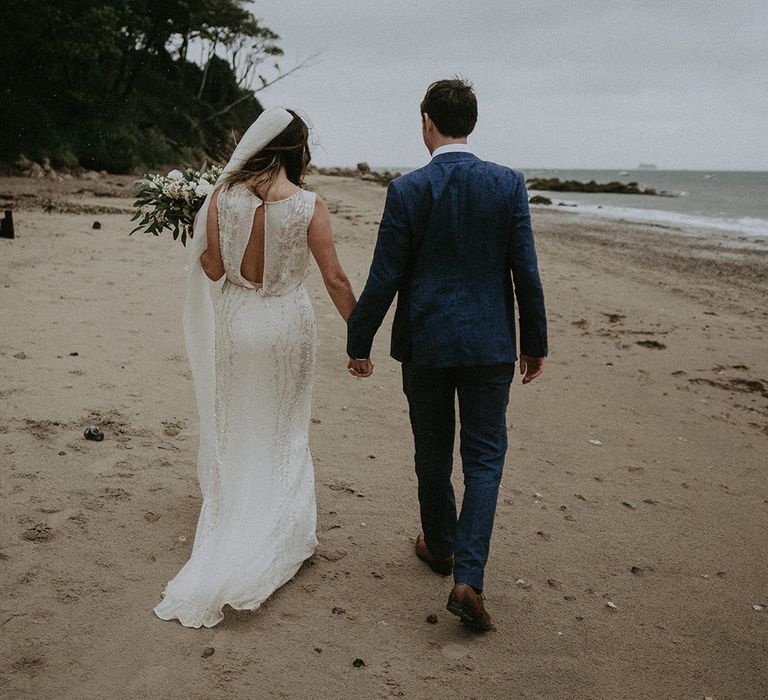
column 358, row 663
column 208, row 651
column 93, row 432
column 96, row 225
column 432, row 619
column 595, row 442
column 338, row 611
column 610, row 604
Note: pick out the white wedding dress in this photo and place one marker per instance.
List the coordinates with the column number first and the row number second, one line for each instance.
column 257, row 523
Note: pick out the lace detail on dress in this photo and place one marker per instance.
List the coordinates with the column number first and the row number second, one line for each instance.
column 257, row 522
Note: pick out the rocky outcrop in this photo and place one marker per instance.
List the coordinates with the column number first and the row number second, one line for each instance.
column 539, row 199
column 28, row 168
column 554, row 184
column 362, row 171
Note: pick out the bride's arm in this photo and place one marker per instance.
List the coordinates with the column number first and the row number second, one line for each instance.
column 323, row 249
column 211, row 261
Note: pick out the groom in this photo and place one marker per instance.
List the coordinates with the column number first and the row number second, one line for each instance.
column 451, row 234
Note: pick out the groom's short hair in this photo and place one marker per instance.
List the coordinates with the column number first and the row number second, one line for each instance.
column 452, row 106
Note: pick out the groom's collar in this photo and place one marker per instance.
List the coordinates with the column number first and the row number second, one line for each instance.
column 451, row 148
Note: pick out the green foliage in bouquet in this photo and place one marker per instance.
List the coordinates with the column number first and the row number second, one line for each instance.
column 170, row 202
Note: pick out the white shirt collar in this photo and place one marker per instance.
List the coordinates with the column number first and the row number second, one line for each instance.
column 452, row 148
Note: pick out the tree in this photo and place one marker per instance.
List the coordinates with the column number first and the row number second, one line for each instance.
column 112, row 84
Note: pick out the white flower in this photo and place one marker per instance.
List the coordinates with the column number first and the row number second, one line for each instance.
column 176, row 175
column 172, row 189
column 203, row 188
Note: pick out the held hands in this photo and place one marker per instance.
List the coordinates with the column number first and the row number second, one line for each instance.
column 531, row 367
column 360, row 368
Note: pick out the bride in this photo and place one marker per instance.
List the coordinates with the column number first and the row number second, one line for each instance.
column 252, row 354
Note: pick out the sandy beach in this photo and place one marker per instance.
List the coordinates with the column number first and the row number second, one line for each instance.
column 629, row 553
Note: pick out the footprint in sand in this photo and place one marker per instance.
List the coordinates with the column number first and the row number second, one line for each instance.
column 454, row 652
column 41, row 532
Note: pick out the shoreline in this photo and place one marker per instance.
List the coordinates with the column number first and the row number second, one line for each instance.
column 755, row 231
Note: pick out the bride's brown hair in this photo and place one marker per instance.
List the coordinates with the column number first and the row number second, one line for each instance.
column 289, row 149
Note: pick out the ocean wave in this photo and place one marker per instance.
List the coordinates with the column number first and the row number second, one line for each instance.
column 744, row 225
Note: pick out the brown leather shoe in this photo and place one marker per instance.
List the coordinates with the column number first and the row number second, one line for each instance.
column 440, row 565
column 466, row 604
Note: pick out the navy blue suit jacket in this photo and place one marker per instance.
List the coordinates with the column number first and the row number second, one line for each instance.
column 455, row 244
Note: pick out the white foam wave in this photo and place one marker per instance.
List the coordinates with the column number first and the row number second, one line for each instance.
column 745, row 225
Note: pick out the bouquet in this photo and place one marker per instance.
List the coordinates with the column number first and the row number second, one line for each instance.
column 171, row 201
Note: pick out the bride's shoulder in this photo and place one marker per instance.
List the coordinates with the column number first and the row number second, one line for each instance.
column 316, row 201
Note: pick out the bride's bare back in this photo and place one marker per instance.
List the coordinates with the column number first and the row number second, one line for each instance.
column 252, row 266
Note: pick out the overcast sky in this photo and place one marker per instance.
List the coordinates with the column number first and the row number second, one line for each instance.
column 577, row 84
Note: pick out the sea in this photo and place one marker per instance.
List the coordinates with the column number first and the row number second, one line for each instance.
column 716, row 203
column 711, row 201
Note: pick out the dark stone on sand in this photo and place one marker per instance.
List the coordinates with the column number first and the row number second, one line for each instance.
column 654, row 344
column 338, row 611
column 208, row 651
column 74, row 354
column 93, row 432
column 432, row 619
column 539, row 199
column 96, row 225
column 358, row 663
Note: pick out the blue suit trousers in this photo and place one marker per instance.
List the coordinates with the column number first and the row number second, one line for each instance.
column 483, row 395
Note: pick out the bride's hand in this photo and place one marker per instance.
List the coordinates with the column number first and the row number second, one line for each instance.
column 360, row 368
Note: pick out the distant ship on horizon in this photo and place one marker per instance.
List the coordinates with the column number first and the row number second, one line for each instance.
column 647, row 166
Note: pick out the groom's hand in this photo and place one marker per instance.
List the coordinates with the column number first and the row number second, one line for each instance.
column 531, row 367
column 360, row 368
